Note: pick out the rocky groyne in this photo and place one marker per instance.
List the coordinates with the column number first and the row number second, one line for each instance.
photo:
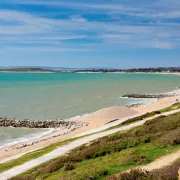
column 156, row 96
column 136, row 105
column 61, row 127
column 8, row 122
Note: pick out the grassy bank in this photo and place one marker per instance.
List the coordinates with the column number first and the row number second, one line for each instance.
column 45, row 150
column 32, row 155
column 113, row 154
column 167, row 173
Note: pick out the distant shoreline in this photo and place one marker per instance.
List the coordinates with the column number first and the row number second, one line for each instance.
column 160, row 70
column 165, row 73
column 91, row 72
column 43, row 72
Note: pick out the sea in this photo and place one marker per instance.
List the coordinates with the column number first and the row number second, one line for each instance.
column 50, row 96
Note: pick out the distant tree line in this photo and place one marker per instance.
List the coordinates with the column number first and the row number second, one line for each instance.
column 102, row 70
column 134, row 70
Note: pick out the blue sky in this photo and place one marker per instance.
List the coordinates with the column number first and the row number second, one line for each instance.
column 96, row 33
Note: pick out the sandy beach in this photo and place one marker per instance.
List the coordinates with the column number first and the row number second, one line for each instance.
column 94, row 120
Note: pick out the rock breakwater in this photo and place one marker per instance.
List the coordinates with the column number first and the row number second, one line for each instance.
column 61, row 127
column 136, row 105
column 8, row 122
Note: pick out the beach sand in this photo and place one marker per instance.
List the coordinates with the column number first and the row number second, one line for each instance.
column 105, row 115
column 95, row 120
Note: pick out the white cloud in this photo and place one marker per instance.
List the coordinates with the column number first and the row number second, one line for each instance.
column 41, row 38
column 163, row 45
column 23, row 27
column 77, row 19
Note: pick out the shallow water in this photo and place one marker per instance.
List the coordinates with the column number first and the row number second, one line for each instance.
column 53, row 96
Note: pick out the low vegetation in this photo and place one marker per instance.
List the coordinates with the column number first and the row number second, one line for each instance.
column 167, row 173
column 113, row 154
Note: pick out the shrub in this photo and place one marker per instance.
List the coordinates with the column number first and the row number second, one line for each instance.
column 134, row 157
column 135, row 174
column 170, row 138
column 157, row 112
column 69, row 166
column 28, row 177
column 166, row 173
column 104, row 173
column 52, row 167
column 146, row 139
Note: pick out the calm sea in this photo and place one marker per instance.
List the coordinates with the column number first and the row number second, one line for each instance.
column 65, row 95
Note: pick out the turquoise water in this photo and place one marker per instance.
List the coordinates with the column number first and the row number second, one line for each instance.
column 53, row 96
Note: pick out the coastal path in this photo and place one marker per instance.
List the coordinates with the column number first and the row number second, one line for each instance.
column 162, row 161
column 66, row 148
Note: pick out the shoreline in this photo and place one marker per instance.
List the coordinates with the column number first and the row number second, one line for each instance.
column 28, row 72
column 91, row 72
column 26, row 139
column 163, row 73
column 96, row 121
column 134, row 102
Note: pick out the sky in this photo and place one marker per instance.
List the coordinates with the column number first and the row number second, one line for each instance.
column 84, row 33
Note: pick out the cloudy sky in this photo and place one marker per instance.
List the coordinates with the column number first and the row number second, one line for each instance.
column 84, row 33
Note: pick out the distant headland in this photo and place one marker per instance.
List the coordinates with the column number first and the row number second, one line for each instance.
column 25, row 70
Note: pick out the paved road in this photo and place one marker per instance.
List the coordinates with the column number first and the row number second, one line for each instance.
column 66, row 148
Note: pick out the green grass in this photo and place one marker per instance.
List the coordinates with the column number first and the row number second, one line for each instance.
column 169, row 172
column 115, row 153
column 33, row 155
column 45, row 150
column 102, row 167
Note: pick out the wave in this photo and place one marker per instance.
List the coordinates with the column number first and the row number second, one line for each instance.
column 84, row 115
column 144, row 101
column 175, row 91
column 27, row 138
